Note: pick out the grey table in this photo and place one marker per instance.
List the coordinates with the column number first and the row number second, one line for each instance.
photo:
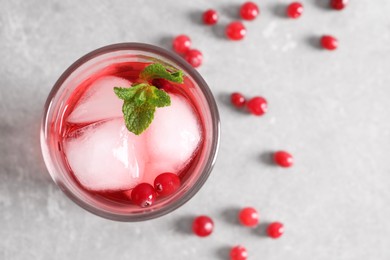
column 330, row 109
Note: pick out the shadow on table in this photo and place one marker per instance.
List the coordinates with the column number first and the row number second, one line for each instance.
column 219, row 30
column 166, row 42
column 184, row 224
column 279, row 10
column 223, row 252
column 314, row 41
column 230, row 215
column 267, row 158
column 21, row 157
column 261, row 230
column 224, row 98
column 323, row 4
column 231, row 10
column 195, row 16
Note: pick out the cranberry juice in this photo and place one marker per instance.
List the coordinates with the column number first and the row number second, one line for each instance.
column 104, row 158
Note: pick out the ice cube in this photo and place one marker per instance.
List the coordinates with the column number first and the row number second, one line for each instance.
column 106, row 156
column 172, row 138
column 99, row 101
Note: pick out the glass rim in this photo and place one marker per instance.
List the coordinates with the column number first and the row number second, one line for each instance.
column 215, row 129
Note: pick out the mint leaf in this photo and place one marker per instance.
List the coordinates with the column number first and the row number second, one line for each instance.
column 157, row 97
column 142, row 99
column 158, row 71
column 140, row 102
column 137, row 117
column 128, row 93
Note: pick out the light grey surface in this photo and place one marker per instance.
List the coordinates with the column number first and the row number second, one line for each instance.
column 331, row 110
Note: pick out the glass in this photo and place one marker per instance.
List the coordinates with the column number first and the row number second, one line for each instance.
column 56, row 107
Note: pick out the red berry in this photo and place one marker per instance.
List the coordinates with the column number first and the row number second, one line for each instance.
column 163, row 84
column 257, row 106
column 329, row 42
column 143, row 195
column 181, row 44
column 210, row 17
column 238, row 253
column 338, row 4
column 294, row 10
column 202, row 226
column 237, row 99
column 248, row 217
column 283, row 159
column 275, row 230
column 194, row 57
column 166, row 183
column 235, row 31
column 249, row 11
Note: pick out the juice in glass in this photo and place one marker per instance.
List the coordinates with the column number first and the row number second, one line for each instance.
column 97, row 161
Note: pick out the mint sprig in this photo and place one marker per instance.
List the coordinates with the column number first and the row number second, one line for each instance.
column 142, row 99
column 158, row 71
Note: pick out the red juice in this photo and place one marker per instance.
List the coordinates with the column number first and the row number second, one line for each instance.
column 96, row 161
column 94, row 115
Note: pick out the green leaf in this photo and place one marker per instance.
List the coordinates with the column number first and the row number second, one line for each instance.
column 157, row 97
column 138, row 117
column 158, row 71
column 141, row 100
column 128, row 93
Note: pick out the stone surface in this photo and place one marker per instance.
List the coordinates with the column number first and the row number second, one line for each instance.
column 330, row 109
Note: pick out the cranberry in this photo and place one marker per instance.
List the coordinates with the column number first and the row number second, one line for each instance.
column 238, row 253
column 210, row 17
column 166, row 183
column 329, row 42
column 203, row 226
column 237, row 99
column 194, row 57
column 248, row 217
column 338, row 4
column 143, row 195
column 181, row 44
column 283, row 159
column 294, row 10
column 249, row 11
column 235, row 31
column 275, row 230
column 257, row 106
column 162, row 84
